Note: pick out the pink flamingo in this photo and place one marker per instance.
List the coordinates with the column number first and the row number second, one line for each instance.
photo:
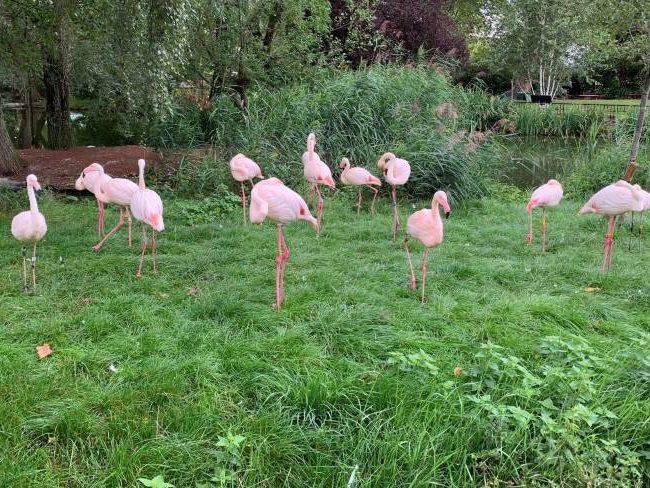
column 118, row 191
column 396, row 173
column 426, row 226
column 547, row 195
column 270, row 198
column 359, row 177
column 613, row 200
column 90, row 179
column 29, row 226
column 317, row 173
column 244, row 169
column 146, row 206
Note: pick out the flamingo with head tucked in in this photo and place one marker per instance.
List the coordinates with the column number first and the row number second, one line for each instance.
column 547, row 195
column 90, row 179
column 426, row 226
column 317, row 173
column 244, row 169
column 271, row 199
column 612, row 201
column 146, row 206
column 29, row 226
column 396, row 173
column 359, row 177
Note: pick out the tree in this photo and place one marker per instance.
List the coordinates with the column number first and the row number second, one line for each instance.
column 9, row 161
column 545, row 41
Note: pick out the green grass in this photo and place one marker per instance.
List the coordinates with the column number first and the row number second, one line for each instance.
column 334, row 379
column 624, row 101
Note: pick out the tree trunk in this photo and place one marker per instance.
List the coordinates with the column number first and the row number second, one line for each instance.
column 26, row 136
column 9, row 160
column 632, row 165
column 56, row 77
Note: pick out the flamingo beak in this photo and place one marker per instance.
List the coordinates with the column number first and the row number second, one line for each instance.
column 446, row 208
column 36, row 186
column 330, row 182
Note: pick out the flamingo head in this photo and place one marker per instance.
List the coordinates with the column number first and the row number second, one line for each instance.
column 141, row 164
column 381, row 164
column 311, row 141
column 33, row 182
column 89, row 176
column 553, row 182
column 440, row 198
column 345, row 163
column 329, row 181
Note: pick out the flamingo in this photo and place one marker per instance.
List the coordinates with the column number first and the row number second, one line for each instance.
column 244, row 169
column 272, row 199
column 547, row 195
column 118, row 191
column 426, row 226
column 359, row 177
column 146, row 206
column 90, row 179
column 316, row 173
column 396, row 173
column 611, row 201
column 29, row 226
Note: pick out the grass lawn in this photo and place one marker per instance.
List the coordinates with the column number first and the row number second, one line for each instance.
column 626, row 101
column 353, row 371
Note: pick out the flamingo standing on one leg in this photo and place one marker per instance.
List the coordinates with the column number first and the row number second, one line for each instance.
column 244, row 169
column 146, row 206
column 360, row 177
column 426, row 226
column 29, row 226
column 118, row 191
column 547, row 195
column 90, row 178
column 396, row 173
column 271, row 199
column 317, row 173
column 613, row 200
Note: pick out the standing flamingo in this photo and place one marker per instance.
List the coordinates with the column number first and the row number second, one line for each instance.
column 29, row 226
column 396, row 173
column 360, row 177
column 613, row 200
column 90, row 179
column 146, row 206
column 317, row 173
column 118, row 191
column 547, row 195
column 426, row 226
column 244, row 169
column 270, row 198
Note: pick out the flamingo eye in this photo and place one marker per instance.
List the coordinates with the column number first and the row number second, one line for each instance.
column 83, row 174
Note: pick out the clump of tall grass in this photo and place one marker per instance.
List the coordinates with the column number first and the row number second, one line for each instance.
column 180, row 125
column 539, row 120
column 359, row 115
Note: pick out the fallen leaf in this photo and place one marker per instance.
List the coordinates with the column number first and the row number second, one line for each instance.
column 112, row 368
column 192, row 292
column 591, row 289
column 43, row 351
column 458, row 371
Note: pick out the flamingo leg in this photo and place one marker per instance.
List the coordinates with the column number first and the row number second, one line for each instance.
column 372, row 206
column 243, row 200
column 285, row 259
column 629, row 241
column 408, row 255
column 640, row 229
column 278, row 272
column 319, row 214
column 530, row 226
column 609, row 242
column 100, row 219
column 424, row 270
column 153, row 250
column 543, row 230
column 34, row 268
column 128, row 216
column 395, row 213
column 120, row 223
column 359, row 203
column 23, row 253
column 144, row 250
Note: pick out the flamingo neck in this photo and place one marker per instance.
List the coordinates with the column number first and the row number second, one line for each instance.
column 435, row 209
column 141, row 179
column 33, row 206
column 310, row 150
